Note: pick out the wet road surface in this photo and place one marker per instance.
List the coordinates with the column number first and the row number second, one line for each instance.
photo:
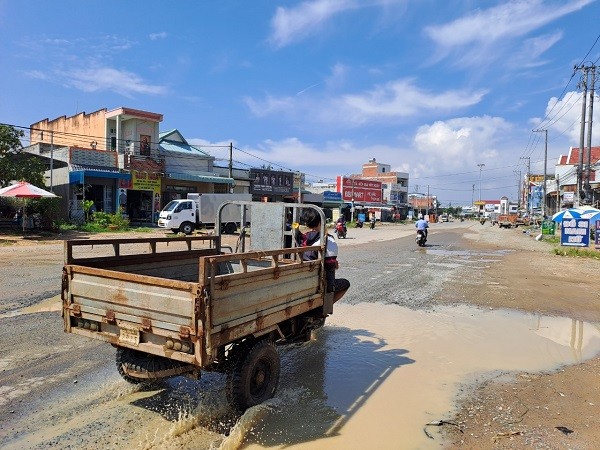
column 388, row 362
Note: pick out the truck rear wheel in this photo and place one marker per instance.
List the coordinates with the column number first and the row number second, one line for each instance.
column 186, row 227
column 254, row 377
column 229, row 228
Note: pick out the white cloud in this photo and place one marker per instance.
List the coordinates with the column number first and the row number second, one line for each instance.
column 271, row 105
column 36, row 74
column 296, row 23
column 317, row 161
column 396, row 99
column 109, row 79
column 401, row 98
column 292, row 24
column 563, row 118
column 156, row 36
column 533, row 49
column 460, row 143
column 474, row 34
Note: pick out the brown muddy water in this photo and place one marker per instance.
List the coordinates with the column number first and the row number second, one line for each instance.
column 376, row 375
column 373, row 377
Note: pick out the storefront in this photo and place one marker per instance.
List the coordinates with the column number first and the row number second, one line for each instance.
column 97, row 185
column 139, row 197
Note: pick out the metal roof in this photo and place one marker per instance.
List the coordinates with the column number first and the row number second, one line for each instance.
column 79, row 167
column 203, row 178
column 179, row 147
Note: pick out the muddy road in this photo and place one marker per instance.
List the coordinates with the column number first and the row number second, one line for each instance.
column 402, row 350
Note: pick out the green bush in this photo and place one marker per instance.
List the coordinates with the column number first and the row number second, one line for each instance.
column 102, row 221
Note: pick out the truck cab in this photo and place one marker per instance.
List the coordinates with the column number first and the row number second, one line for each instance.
column 179, row 215
column 200, row 210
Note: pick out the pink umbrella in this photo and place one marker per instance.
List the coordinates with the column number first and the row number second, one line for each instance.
column 24, row 190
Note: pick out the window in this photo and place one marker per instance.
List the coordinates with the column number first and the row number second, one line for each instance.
column 144, row 145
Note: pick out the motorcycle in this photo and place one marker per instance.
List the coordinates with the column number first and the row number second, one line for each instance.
column 340, row 230
column 373, row 220
column 359, row 223
column 421, row 238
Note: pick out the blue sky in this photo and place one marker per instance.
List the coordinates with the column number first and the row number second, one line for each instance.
column 431, row 87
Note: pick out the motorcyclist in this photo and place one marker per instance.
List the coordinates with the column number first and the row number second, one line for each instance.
column 360, row 220
column 422, row 225
column 342, row 220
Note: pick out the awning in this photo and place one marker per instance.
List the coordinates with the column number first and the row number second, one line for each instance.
column 78, row 176
column 200, row 178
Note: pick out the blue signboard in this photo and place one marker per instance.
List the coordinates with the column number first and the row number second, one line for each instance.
column 597, row 233
column 330, row 196
column 575, row 232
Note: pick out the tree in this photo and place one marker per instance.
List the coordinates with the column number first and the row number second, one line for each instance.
column 16, row 164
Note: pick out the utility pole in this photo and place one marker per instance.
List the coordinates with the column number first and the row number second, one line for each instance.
column 518, row 174
column 545, row 168
column 528, row 158
column 481, row 166
column 52, row 161
column 231, row 166
column 557, row 194
column 587, row 187
column 583, row 84
column 473, row 196
column 428, row 200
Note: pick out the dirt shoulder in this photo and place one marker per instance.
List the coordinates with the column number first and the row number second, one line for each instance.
column 557, row 409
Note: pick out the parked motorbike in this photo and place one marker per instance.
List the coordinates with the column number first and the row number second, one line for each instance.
column 359, row 223
column 421, row 238
column 341, row 230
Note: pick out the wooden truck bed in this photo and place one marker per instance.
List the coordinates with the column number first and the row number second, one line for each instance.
column 183, row 303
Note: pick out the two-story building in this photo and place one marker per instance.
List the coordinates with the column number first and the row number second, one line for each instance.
column 394, row 184
column 119, row 160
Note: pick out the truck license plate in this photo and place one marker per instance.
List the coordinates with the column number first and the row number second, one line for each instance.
column 129, row 336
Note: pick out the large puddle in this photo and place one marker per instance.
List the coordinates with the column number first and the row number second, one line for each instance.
column 373, row 377
column 376, row 375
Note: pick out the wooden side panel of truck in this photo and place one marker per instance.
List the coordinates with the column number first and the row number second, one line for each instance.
column 175, row 305
column 164, row 305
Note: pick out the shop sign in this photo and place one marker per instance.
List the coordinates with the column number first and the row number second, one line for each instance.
column 359, row 190
column 330, row 196
column 271, row 182
column 536, row 178
column 575, row 233
column 145, row 181
column 548, row 227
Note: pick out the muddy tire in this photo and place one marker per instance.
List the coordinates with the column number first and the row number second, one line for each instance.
column 186, row 227
column 143, row 363
column 254, row 376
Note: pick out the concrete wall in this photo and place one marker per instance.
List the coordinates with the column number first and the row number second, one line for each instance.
column 82, row 129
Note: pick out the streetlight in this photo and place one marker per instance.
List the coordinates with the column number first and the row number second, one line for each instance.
column 481, row 166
